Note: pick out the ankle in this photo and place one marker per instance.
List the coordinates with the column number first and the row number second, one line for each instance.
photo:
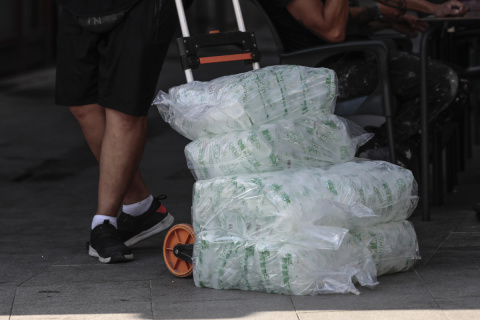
column 138, row 208
column 99, row 219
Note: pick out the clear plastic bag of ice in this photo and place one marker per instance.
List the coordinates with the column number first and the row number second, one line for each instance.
column 313, row 141
column 241, row 101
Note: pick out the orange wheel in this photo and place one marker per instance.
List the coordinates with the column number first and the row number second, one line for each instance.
column 178, row 234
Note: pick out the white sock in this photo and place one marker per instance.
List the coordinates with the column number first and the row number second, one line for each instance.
column 136, row 209
column 99, row 219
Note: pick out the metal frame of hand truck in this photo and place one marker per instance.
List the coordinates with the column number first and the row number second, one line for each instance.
column 178, row 243
column 189, row 45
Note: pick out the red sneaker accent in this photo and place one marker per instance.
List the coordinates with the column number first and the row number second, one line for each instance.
column 162, row 209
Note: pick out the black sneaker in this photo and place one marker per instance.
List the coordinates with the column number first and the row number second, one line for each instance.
column 154, row 220
column 106, row 245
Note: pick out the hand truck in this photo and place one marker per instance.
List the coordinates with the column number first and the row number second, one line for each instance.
column 178, row 243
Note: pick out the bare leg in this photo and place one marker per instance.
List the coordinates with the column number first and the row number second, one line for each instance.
column 122, row 149
column 92, row 120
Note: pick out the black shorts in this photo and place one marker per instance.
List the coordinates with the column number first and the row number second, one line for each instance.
column 119, row 69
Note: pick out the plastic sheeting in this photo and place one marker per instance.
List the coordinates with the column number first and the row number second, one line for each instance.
column 394, row 245
column 303, row 142
column 241, row 101
column 223, row 261
column 349, row 195
column 306, row 231
column 280, row 204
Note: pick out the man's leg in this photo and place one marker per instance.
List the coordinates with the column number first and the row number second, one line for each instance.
column 92, row 120
column 122, row 148
column 142, row 215
column 121, row 151
column 117, row 140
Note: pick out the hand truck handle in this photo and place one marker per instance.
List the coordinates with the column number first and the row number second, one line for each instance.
column 185, row 33
column 184, row 26
column 241, row 24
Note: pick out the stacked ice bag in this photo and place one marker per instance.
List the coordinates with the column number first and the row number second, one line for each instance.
column 280, row 204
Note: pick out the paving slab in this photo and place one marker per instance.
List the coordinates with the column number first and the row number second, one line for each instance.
column 7, row 295
column 410, row 293
column 95, row 273
column 120, row 299
column 179, row 299
column 448, row 277
column 465, row 308
column 83, row 316
column 375, row 314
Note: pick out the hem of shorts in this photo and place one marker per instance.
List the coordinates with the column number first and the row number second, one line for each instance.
column 104, row 105
column 74, row 104
column 121, row 109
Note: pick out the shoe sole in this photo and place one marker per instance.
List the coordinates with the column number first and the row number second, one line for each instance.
column 115, row 258
column 159, row 227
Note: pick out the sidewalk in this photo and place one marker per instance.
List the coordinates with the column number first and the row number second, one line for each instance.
column 48, row 195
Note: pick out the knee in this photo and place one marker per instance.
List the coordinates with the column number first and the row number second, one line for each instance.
column 125, row 121
column 84, row 112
